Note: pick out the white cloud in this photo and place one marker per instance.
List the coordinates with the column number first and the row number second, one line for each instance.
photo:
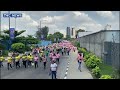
column 4, row 27
column 59, row 21
column 106, row 14
column 47, row 19
column 77, row 13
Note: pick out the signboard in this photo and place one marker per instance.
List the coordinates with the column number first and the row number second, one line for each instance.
column 13, row 15
column 12, row 33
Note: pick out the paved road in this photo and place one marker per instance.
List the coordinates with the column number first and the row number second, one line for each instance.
column 74, row 73
column 32, row 73
column 67, row 69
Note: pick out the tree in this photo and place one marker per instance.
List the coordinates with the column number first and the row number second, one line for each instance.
column 80, row 30
column 58, row 35
column 17, row 33
column 18, row 47
column 50, row 37
column 68, row 37
column 5, row 37
column 2, row 47
column 28, row 41
column 44, row 31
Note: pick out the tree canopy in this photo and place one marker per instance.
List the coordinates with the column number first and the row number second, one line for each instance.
column 43, row 31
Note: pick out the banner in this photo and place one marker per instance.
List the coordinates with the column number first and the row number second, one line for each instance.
column 12, row 33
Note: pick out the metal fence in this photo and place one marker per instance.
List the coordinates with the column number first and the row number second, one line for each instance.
column 112, row 54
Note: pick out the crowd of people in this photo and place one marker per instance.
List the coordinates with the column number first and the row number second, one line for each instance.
column 51, row 53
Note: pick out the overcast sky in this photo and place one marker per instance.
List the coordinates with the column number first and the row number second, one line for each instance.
column 60, row 20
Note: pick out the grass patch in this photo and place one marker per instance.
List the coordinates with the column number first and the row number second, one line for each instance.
column 106, row 69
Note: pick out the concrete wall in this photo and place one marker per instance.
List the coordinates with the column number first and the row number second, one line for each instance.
column 95, row 43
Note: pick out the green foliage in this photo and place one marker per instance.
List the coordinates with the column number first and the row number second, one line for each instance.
column 77, row 44
column 5, row 52
column 27, row 48
column 105, row 77
column 16, row 32
column 96, row 71
column 68, row 37
column 18, row 47
column 87, row 56
column 93, row 61
column 80, row 30
column 83, row 50
column 58, row 35
column 27, row 40
column 50, row 37
column 2, row 47
column 44, row 31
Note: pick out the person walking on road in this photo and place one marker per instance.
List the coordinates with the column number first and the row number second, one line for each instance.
column 1, row 61
column 17, row 59
column 44, row 61
column 54, row 57
column 58, row 57
column 62, row 51
column 68, row 51
column 36, row 61
column 53, row 69
column 9, row 63
column 50, row 55
column 24, row 58
column 79, row 59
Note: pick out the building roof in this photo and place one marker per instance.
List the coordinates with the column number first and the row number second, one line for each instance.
column 82, row 34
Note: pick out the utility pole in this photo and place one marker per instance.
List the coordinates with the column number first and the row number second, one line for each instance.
column 119, row 45
column 9, row 20
column 0, row 22
column 15, row 23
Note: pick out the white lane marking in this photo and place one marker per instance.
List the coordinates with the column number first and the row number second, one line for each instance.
column 67, row 69
column 65, row 77
column 66, row 73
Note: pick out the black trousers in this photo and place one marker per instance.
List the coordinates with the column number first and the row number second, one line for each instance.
column 62, row 53
column 0, row 64
column 58, row 60
column 68, row 52
column 29, row 63
column 53, row 74
column 17, row 64
column 9, row 65
column 24, row 63
column 44, row 63
column 36, row 64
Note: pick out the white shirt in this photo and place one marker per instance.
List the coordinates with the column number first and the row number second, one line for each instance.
column 53, row 67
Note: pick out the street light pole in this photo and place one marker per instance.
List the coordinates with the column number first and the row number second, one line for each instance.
column 9, row 20
column 15, row 23
column 41, row 27
column 0, row 22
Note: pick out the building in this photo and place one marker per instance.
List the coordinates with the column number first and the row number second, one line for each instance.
column 105, row 44
column 68, row 32
column 73, row 33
